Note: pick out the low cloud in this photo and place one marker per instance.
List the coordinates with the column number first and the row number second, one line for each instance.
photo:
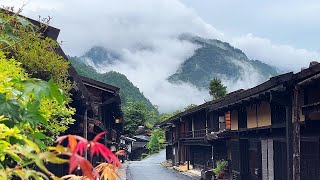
column 145, row 33
column 284, row 57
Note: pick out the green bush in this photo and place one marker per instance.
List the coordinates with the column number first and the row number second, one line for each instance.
column 25, row 42
column 35, row 98
column 156, row 141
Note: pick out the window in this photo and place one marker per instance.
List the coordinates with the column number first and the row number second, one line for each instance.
column 242, row 118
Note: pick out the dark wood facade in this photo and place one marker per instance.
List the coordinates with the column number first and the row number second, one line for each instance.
column 271, row 131
column 98, row 108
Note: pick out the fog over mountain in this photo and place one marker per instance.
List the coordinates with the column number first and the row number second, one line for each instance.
column 145, row 33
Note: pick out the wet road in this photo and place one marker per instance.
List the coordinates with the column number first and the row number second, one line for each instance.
column 150, row 169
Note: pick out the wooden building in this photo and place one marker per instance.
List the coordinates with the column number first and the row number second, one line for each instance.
column 270, row 131
column 98, row 107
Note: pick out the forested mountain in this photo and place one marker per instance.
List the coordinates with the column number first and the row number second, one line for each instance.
column 215, row 58
column 128, row 91
column 212, row 59
column 100, row 55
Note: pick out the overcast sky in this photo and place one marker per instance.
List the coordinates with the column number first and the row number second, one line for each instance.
column 283, row 34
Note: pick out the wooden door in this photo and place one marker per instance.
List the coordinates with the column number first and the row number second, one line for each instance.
column 255, row 160
column 310, row 160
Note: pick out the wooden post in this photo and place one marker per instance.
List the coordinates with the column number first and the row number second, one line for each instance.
column 212, row 155
column 85, row 129
column 289, row 140
column 188, row 156
column 296, row 134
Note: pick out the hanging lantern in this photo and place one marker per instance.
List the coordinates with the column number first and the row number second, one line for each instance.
column 117, row 120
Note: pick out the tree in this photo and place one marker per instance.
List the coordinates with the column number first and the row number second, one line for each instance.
column 190, row 107
column 136, row 114
column 217, row 89
column 156, row 140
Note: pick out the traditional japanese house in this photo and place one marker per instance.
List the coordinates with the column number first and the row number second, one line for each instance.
column 98, row 105
column 139, row 147
column 126, row 143
column 270, row 131
column 306, row 124
column 186, row 136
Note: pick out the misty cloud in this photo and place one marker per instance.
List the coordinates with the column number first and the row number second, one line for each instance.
column 145, row 33
column 284, row 57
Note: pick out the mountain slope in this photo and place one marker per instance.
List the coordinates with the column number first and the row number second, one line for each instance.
column 128, row 91
column 100, row 55
column 215, row 58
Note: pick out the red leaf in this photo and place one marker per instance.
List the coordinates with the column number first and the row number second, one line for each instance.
column 81, row 147
column 72, row 142
column 62, row 138
column 98, row 136
column 107, row 154
column 73, row 162
column 85, row 166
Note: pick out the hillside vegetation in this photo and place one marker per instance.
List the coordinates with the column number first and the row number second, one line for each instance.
column 217, row 59
column 128, row 91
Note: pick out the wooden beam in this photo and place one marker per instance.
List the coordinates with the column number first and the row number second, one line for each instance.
column 296, row 134
column 289, row 141
column 280, row 99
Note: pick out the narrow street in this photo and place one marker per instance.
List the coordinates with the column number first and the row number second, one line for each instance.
column 150, row 169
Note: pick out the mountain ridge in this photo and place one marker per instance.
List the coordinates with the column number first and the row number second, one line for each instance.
column 217, row 59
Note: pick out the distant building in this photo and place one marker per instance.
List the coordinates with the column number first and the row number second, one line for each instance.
column 139, row 147
column 126, row 143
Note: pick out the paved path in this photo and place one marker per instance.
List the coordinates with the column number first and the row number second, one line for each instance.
column 150, row 169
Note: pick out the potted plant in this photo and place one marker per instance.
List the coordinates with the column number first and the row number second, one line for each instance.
column 221, row 171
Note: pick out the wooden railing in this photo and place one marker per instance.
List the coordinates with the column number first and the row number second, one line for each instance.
column 194, row 134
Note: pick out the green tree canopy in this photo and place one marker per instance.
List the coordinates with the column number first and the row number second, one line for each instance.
column 156, row 140
column 217, row 89
column 136, row 114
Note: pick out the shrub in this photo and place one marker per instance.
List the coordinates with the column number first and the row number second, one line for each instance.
column 156, row 140
column 25, row 42
column 41, row 104
column 28, row 108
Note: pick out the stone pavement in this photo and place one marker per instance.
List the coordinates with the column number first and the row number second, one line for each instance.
column 150, row 169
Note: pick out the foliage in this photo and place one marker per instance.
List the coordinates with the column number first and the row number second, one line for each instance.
column 165, row 116
column 20, row 155
column 217, row 89
column 23, row 121
column 144, row 155
column 32, row 100
column 190, row 107
column 77, row 146
column 31, row 109
column 25, row 42
column 156, row 140
column 220, row 167
column 136, row 114
column 128, row 92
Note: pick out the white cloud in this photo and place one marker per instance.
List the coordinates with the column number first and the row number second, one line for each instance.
column 144, row 32
column 285, row 57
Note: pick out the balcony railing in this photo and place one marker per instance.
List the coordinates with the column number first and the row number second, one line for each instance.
column 201, row 133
